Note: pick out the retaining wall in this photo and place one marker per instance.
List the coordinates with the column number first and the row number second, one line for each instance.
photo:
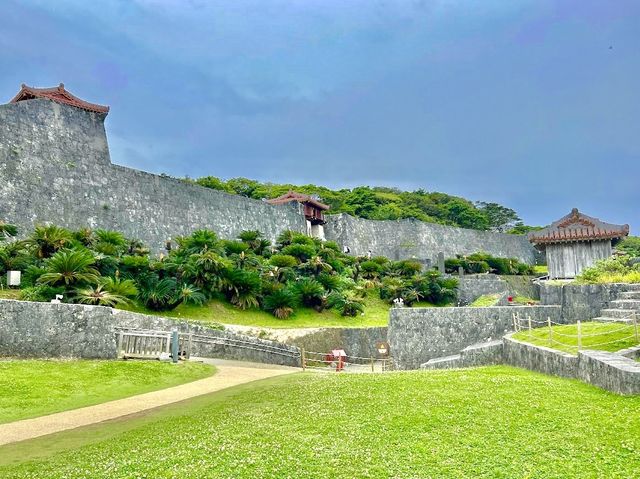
column 579, row 301
column 610, row 371
column 45, row 330
column 419, row 334
column 471, row 288
column 359, row 342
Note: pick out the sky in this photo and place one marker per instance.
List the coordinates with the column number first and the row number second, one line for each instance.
column 531, row 104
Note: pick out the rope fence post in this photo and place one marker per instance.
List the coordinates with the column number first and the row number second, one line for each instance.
column 120, row 352
column 303, row 362
column 515, row 323
column 550, row 331
column 372, row 369
column 529, row 320
column 635, row 325
column 579, row 335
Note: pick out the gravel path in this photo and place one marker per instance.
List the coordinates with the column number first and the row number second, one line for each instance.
column 228, row 374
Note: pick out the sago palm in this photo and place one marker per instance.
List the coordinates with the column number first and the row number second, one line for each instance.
column 98, row 295
column 70, row 267
column 46, row 240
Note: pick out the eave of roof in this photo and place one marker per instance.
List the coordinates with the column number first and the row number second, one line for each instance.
column 299, row 197
column 576, row 227
column 59, row 95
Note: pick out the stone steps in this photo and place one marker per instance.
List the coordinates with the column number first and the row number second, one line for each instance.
column 606, row 319
column 630, row 295
column 632, row 304
column 628, row 287
column 617, row 313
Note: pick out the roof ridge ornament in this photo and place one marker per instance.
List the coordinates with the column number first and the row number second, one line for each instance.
column 577, row 226
column 59, row 95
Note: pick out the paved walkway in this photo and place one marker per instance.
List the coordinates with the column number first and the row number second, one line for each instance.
column 229, row 374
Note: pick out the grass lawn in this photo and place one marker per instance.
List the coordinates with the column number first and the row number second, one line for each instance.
column 495, row 422
column 30, row 388
column 6, row 293
column 565, row 338
column 376, row 313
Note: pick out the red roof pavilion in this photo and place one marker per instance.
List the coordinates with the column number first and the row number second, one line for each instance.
column 59, row 95
column 577, row 226
column 313, row 209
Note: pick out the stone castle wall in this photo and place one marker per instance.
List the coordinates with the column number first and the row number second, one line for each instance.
column 416, row 239
column 55, row 168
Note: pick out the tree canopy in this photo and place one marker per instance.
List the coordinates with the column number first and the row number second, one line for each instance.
column 384, row 203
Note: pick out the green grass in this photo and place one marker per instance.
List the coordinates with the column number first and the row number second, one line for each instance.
column 565, row 338
column 540, row 269
column 9, row 293
column 30, row 388
column 496, row 422
column 485, row 300
column 376, row 313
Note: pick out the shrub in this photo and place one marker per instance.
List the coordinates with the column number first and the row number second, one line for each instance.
column 69, row 268
column 283, row 261
column 281, row 303
column 125, row 288
column 330, row 282
column 243, row 288
column 346, row 304
column 612, row 270
column 46, row 240
column 41, row 293
column 134, row 264
column 630, row 245
column 98, row 295
column 309, row 292
column 235, row 247
column 302, row 252
column 7, row 230
column 198, row 242
column 166, row 293
column 370, row 269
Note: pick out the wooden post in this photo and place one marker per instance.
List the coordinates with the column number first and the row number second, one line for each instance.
column 635, row 325
column 119, row 354
column 550, row 331
column 579, row 336
column 515, row 324
column 189, row 345
column 529, row 320
column 174, row 346
column 372, row 369
column 303, row 361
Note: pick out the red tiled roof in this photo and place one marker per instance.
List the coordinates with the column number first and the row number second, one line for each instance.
column 300, row 198
column 59, row 95
column 577, row 226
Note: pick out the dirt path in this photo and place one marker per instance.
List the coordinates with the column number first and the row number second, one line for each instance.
column 229, row 374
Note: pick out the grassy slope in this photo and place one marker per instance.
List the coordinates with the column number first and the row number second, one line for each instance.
column 614, row 334
column 217, row 311
column 30, row 388
column 496, row 422
column 9, row 293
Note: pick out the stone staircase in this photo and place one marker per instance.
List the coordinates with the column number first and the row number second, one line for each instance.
column 623, row 309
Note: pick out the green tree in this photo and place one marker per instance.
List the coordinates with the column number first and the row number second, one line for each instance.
column 500, row 218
